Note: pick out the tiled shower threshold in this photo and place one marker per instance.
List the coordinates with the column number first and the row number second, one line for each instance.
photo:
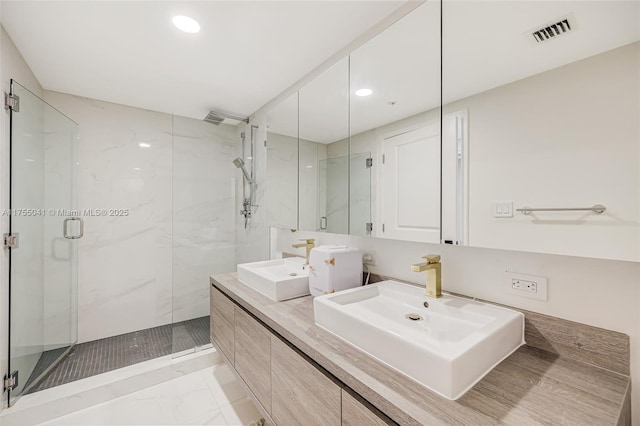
column 103, row 355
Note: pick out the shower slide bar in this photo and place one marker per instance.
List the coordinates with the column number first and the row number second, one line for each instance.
column 597, row 209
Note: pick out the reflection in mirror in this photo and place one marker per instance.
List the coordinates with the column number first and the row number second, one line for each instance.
column 552, row 95
column 282, row 161
column 324, row 169
column 395, row 118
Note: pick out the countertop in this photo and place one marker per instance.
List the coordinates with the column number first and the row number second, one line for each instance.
column 530, row 387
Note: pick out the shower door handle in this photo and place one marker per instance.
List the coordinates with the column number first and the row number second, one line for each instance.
column 65, row 230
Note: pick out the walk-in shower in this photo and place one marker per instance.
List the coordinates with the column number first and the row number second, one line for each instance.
column 142, row 290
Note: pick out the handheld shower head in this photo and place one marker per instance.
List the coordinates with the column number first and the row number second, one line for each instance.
column 240, row 164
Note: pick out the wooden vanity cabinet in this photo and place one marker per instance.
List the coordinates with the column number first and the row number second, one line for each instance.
column 222, row 323
column 356, row 413
column 302, row 394
column 253, row 356
column 289, row 387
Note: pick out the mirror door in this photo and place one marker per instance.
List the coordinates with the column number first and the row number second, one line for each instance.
column 43, row 258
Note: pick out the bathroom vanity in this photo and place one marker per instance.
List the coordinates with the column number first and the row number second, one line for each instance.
column 299, row 373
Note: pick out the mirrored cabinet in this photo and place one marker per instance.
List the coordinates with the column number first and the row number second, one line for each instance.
column 487, row 124
column 323, row 198
column 282, row 164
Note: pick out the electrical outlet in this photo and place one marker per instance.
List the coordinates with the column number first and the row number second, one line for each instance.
column 369, row 258
column 525, row 285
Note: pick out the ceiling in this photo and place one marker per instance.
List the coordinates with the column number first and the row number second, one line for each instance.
column 486, row 44
column 128, row 52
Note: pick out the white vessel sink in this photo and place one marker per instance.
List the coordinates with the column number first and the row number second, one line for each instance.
column 452, row 346
column 278, row 279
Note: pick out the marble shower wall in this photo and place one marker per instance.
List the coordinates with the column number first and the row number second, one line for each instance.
column 150, row 267
column 125, row 262
column 252, row 242
column 204, row 212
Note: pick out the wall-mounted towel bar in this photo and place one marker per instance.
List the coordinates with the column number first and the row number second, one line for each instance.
column 597, row 209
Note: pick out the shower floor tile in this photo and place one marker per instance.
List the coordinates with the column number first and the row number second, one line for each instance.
column 100, row 356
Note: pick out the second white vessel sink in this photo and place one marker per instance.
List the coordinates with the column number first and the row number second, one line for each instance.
column 447, row 345
column 278, row 279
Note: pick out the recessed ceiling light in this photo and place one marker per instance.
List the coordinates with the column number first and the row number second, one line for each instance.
column 363, row 92
column 144, row 145
column 186, row 24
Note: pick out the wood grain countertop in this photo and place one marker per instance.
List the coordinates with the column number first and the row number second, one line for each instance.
column 531, row 387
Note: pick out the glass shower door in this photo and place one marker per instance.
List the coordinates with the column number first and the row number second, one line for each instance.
column 44, row 217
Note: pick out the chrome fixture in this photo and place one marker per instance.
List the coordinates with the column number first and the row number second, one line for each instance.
column 239, row 163
column 65, row 228
column 434, row 274
column 217, row 117
column 597, row 209
column 309, row 243
column 248, row 202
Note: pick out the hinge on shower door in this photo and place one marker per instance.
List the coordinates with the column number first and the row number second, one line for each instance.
column 12, row 102
column 11, row 381
column 12, row 240
column 369, row 163
column 369, row 227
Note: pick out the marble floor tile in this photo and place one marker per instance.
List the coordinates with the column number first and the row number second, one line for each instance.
column 195, row 389
column 184, row 400
column 241, row 412
column 223, row 384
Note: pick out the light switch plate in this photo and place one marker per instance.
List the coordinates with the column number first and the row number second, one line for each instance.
column 503, row 209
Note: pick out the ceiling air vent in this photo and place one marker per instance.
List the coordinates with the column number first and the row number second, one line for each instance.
column 557, row 28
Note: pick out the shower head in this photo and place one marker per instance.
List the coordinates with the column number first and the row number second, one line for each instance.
column 217, row 117
column 240, row 164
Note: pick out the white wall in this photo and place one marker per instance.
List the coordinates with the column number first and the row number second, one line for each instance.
column 601, row 293
column 564, row 138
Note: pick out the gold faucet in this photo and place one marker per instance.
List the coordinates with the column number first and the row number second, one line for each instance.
column 309, row 243
column 434, row 274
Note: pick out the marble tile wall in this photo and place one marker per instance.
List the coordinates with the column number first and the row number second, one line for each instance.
column 61, row 170
column 176, row 179
column 204, row 211
column 252, row 242
column 125, row 262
